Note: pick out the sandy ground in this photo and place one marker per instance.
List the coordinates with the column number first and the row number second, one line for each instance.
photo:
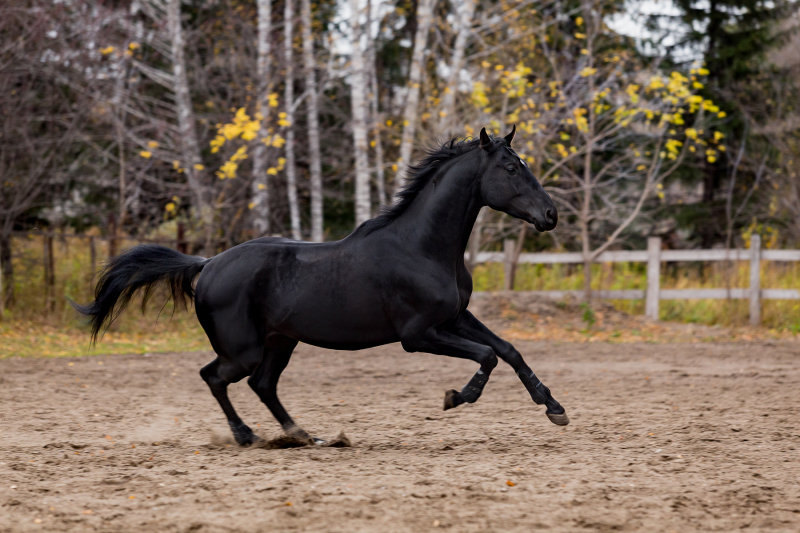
column 664, row 437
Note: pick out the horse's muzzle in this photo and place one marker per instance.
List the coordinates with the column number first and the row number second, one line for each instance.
column 547, row 221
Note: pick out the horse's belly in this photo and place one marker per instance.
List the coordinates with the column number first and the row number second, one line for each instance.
column 340, row 328
column 345, row 316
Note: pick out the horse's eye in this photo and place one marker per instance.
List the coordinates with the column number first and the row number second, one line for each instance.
column 512, row 169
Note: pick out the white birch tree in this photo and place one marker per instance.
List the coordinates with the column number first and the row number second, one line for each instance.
column 464, row 17
column 260, row 212
column 358, row 92
column 424, row 18
column 189, row 145
column 312, row 107
column 291, row 174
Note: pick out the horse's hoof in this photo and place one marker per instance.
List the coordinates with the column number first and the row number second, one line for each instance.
column 318, row 442
column 246, row 440
column 452, row 398
column 243, row 435
column 559, row 419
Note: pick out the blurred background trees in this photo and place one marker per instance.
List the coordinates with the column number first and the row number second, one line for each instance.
column 229, row 120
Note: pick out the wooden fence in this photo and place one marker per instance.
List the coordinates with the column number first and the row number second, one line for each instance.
column 654, row 256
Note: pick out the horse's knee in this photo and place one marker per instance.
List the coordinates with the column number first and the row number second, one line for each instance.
column 211, row 377
column 488, row 361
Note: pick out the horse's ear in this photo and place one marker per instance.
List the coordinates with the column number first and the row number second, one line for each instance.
column 486, row 142
column 510, row 136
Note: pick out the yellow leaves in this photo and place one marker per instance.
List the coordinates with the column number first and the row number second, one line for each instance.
column 227, row 170
column 282, row 121
column 632, row 90
column 562, row 151
column 579, row 115
column 199, row 166
column 250, row 130
column 478, row 96
column 579, row 21
column 170, row 208
column 152, row 144
column 272, row 99
column 691, row 133
column 132, row 46
column 230, row 131
column 216, row 143
column 656, row 82
column 147, row 154
column 673, row 147
column 579, row 35
column 587, row 71
column 709, row 106
column 107, row 50
column 240, row 154
column 703, row 71
column 718, row 136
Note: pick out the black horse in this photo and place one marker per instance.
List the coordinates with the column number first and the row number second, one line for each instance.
column 398, row 277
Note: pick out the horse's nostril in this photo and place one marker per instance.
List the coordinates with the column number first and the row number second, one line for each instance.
column 550, row 215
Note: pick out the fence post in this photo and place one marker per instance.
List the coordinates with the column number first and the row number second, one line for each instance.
column 2, row 294
column 508, row 263
column 755, row 279
column 92, row 260
column 653, row 277
column 49, row 272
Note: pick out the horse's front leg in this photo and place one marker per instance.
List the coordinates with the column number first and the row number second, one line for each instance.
column 444, row 341
column 470, row 327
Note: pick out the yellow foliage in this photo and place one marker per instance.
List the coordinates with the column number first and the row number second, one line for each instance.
column 145, row 154
column 227, row 170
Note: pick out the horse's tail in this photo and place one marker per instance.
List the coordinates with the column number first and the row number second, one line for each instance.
column 141, row 267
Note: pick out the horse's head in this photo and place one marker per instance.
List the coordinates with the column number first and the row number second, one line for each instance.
column 508, row 184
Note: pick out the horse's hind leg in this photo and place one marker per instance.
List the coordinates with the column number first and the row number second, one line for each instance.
column 218, row 382
column 264, row 382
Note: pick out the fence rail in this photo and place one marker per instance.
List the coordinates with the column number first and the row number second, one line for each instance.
column 654, row 256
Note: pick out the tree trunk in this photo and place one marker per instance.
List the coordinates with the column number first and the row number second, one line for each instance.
column 375, row 117
column 424, row 16
column 260, row 212
column 312, row 103
column 358, row 91
column 291, row 177
column 447, row 121
column 189, row 145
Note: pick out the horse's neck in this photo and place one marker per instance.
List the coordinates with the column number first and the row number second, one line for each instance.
column 440, row 219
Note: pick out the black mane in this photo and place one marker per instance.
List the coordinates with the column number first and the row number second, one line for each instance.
column 418, row 176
